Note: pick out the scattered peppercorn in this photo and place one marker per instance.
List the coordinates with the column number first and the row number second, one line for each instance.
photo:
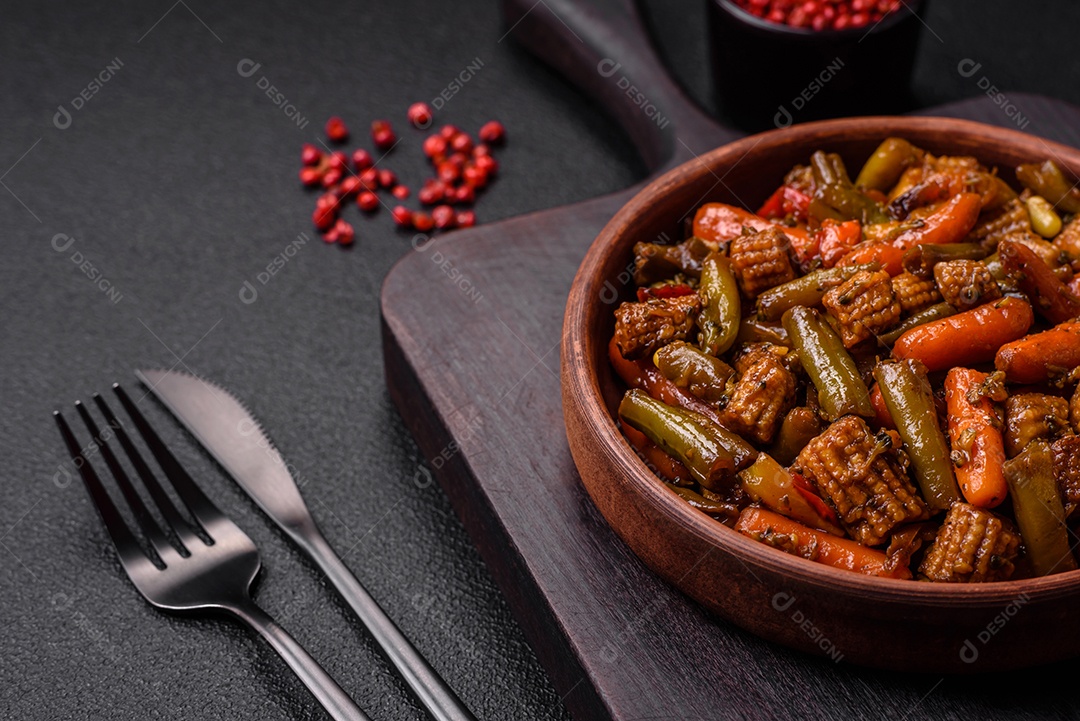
column 382, row 135
column 336, row 130
column 463, row 166
column 422, row 221
column 362, row 159
column 310, row 155
column 367, row 201
column 402, row 216
column 420, row 115
column 493, row 132
column 345, row 232
column 444, row 216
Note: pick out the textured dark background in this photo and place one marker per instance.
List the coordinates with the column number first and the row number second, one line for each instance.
column 177, row 181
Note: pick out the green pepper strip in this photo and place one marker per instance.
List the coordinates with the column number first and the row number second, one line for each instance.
column 754, row 330
column 840, row 387
column 719, row 319
column 692, row 439
column 910, row 402
column 807, row 290
column 799, row 427
column 921, row 259
column 926, row 315
column 887, row 164
column 834, row 188
column 705, row 376
column 1038, row 510
column 654, row 262
column 1047, row 180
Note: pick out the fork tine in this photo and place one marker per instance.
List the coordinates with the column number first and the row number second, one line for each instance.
column 146, row 522
column 118, row 530
column 183, row 530
column 201, row 508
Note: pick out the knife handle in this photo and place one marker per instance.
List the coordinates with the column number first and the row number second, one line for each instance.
column 437, row 697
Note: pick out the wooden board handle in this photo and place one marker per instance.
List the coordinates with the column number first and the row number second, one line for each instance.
column 603, row 48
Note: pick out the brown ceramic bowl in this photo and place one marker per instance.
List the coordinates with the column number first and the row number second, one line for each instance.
column 880, row 622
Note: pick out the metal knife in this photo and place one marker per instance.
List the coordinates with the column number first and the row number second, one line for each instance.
column 228, row 431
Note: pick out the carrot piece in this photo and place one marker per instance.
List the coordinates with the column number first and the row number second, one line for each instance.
column 1041, row 357
column 948, row 224
column 819, row 546
column 835, row 240
column 976, row 439
column 881, row 411
column 1048, row 294
column 889, row 255
column 721, row 223
column 967, row 338
column 655, row 458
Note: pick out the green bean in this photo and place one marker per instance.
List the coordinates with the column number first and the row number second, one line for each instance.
column 719, row 318
column 705, row 505
column 807, row 290
column 831, row 369
column 910, row 402
column 1038, row 509
column 887, row 164
column 854, row 205
column 926, row 315
column 921, row 259
column 799, row 427
column 754, row 330
column 828, row 168
column 705, row 376
column 1047, row 180
column 688, row 437
column 654, row 262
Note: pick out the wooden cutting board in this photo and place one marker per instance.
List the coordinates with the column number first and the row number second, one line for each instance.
column 471, row 330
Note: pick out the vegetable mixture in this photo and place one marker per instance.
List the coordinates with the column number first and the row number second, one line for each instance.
column 878, row 374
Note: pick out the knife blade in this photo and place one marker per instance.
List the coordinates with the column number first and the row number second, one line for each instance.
column 225, row 428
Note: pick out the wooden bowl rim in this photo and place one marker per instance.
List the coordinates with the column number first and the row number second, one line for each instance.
column 583, row 381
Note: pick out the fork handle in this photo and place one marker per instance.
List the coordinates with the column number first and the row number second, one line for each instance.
column 325, row 689
column 437, row 697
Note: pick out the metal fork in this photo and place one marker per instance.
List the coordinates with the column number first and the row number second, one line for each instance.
column 207, row 565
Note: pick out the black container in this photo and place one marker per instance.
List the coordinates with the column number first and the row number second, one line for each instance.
column 768, row 75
